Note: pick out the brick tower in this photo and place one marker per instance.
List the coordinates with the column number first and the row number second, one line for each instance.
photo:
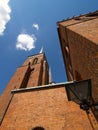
column 29, row 102
column 34, row 72
column 79, row 43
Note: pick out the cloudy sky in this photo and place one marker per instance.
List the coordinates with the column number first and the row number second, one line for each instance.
column 26, row 26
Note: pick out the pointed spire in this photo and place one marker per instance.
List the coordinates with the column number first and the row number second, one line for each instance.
column 41, row 50
column 50, row 76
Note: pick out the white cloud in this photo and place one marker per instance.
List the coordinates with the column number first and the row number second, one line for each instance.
column 36, row 26
column 25, row 42
column 5, row 11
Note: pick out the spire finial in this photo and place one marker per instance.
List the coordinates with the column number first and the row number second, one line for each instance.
column 41, row 50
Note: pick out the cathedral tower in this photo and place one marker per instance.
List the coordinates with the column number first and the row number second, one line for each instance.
column 34, row 72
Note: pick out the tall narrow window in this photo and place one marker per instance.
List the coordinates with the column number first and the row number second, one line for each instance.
column 35, row 61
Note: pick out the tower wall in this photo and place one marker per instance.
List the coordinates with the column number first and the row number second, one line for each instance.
column 39, row 70
column 33, row 72
column 18, row 80
column 79, row 43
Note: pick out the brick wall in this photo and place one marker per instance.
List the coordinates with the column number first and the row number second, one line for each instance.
column 81, row 57
column 47, row 108
column 15, row 82
column 81, row 38
column 39, row 71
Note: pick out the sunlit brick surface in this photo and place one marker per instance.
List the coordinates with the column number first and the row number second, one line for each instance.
column 47, row 108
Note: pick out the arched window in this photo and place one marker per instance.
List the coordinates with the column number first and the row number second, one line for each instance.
column 38, row 128
column 35, row 61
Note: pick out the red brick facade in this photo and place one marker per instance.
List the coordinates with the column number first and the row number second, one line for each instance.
column 79, row 43
column 46, row 107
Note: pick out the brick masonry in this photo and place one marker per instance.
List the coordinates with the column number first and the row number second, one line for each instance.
column 81, row 38
column 47, row 108
column 27, row 75
column 79, row 43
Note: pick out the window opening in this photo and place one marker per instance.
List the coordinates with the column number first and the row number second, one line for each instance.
column 35, row 61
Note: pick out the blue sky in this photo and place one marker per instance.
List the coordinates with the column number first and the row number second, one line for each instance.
column 28, row 25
